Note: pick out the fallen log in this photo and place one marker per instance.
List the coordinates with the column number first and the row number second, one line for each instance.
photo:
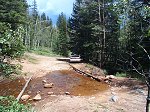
column 21, row 93
column 84, row 73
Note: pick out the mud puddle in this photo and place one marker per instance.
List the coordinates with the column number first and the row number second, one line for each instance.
column 11, row 86
column 65, row 81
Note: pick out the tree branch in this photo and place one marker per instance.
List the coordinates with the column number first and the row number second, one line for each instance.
column 145, row 51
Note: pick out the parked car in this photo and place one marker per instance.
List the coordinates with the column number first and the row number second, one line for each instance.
column 75, row 58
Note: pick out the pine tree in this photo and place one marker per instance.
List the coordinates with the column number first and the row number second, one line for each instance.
column 13, row 12
column 94, row 31
column 74, row 28
column 12, row 21
column 62, row 40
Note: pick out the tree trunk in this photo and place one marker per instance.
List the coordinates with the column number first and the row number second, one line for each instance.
column 104, row 35
column 148, row 101
column 100, row 40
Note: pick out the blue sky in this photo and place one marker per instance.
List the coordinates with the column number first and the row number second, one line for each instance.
column 53, row 8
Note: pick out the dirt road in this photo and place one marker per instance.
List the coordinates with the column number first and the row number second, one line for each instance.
column 126, row 99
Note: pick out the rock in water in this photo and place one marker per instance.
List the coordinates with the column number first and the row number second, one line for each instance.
column 25, row 97
column 67, row 93
column 37, row 97
column 50, row 85
column 50, row 93
column 44, row 81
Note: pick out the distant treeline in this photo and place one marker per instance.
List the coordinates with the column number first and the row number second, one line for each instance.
column 113, row 35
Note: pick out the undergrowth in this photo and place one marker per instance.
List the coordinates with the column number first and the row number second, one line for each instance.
column 121, row 74
column 7, row 69
column 43, row 51
column 130, row 75
column 10, row 104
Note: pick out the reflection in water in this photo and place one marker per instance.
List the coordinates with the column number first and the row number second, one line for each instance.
column 64, row 81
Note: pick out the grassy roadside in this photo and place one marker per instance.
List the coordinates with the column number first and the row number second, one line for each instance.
column 10, row 104
column 44, row 51
column 31, row 59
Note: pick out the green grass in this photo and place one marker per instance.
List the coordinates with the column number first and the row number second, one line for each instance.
column 121, row 74
column 44, row 51
column 130, row 74
column 10, row 104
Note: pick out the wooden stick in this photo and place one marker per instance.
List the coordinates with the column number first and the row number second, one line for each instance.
column 87, row 74
column 19, row 96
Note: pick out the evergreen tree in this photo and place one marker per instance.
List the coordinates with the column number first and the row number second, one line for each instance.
column 134, row 30
column 62, row 40
column 13, row 12
column 34, row 11
column 74, row 28
column 93, row 27
column 40, row 30
column 43, row 16
column 12, row 21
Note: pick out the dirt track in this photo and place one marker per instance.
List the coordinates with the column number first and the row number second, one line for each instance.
column 128, row 100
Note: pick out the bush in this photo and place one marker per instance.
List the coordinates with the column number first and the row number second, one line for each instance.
column 11, row 43
column 11, row 46
column 121, row 74
column 43, row 51
column 10, row 104
column 8, row 69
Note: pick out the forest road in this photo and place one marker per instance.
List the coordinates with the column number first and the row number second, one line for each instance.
column 127, row 100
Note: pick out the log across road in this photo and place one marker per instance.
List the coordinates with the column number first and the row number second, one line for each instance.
column 84, row 73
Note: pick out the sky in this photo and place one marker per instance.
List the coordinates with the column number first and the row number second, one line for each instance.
column 53, row 8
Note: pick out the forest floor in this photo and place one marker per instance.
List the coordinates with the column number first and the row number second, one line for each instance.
column 130, row 95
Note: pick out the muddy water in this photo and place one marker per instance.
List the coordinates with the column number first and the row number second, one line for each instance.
column 11, row 86
column 66, row 81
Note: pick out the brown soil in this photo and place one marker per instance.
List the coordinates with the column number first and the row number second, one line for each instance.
column 131, row 94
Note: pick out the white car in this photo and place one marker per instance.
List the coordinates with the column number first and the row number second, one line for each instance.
column 75, row 58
